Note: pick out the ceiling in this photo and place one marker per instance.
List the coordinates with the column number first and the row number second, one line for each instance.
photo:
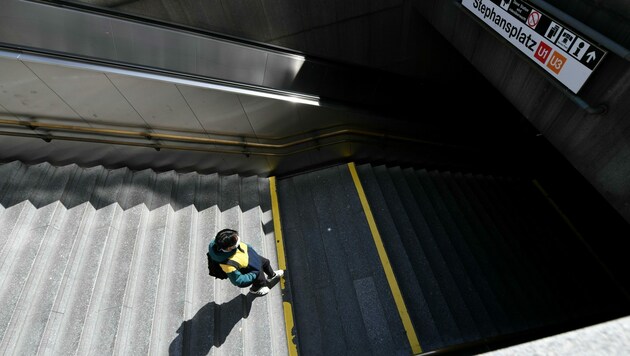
column 111, row 69
column 92, row 98
column 382, row 34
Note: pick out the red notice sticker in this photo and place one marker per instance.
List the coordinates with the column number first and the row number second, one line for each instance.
column 533, row 18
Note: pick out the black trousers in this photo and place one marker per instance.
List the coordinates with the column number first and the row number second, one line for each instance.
column 261, row 279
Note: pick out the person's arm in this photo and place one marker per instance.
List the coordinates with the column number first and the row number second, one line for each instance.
column 241, row 280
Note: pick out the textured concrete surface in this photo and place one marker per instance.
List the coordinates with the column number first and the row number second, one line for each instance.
column 606, row 339
column 342, row 302
column 101, row 261
column 479, row 257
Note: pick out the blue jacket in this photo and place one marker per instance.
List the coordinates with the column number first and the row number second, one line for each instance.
column 248, row 259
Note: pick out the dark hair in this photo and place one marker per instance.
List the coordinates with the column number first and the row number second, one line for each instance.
column 226, row 238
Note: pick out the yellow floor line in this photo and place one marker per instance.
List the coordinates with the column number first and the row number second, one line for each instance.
column 282, row 264
column 389, row 273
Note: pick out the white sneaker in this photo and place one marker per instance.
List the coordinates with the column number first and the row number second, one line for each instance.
column 261, row 291
column 277, row 274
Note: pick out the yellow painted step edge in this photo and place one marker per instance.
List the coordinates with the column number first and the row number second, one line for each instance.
column 282, row 264
column 389, row 273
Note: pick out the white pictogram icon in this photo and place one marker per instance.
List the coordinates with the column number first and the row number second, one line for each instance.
column 590, row 56
column 565, row 40
column 505, row 4
column 553, row 31
column 579, row 48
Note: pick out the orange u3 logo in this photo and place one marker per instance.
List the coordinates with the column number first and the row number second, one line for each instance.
column 556, row 62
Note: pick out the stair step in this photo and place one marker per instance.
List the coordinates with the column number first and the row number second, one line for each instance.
column 537, row 250
column 23, row 275
column 198, row 329
column 415, row 288
column 301, row 234
column 335, row 268
column 439, row 254
column 86, row 262
column 169, row 320
column 77, row 220
column 475, row 259
column 40, row 274
column 540, row 312
column 477, row 294
column 256, row 339
column 105, row 310
column 112, row 261
column 136, row 319
column 25, row 184
column 359, row 250
column 573, row 264
column 500, row 241
column 231, row 304
column 486, row 246
column 428, row 263
column 24, row 247
column 9, row 174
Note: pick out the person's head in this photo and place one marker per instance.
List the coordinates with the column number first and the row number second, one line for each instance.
column 227, row 240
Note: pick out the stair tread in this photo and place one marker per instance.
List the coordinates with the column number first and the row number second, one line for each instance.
column 112, row 260
column 439, row 255
column 482, row 271
column 472, row 280
column 340, row 268
column 490, row 252
column 417, row 298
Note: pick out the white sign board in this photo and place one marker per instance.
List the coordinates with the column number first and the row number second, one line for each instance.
column 561, row 51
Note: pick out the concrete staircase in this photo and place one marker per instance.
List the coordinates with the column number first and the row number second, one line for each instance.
column 479, row 257
column 476, row 258
column 342, row 302
column 102, row 261
column 112, row 261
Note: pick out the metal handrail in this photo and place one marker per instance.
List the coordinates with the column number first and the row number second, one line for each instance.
column 247, row 145
column 160, row 146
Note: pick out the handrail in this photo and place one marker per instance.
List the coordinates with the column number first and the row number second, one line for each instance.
column 213, row 141
column 159, row 146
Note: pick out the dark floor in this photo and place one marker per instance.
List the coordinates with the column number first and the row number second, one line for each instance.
column 477, row 257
